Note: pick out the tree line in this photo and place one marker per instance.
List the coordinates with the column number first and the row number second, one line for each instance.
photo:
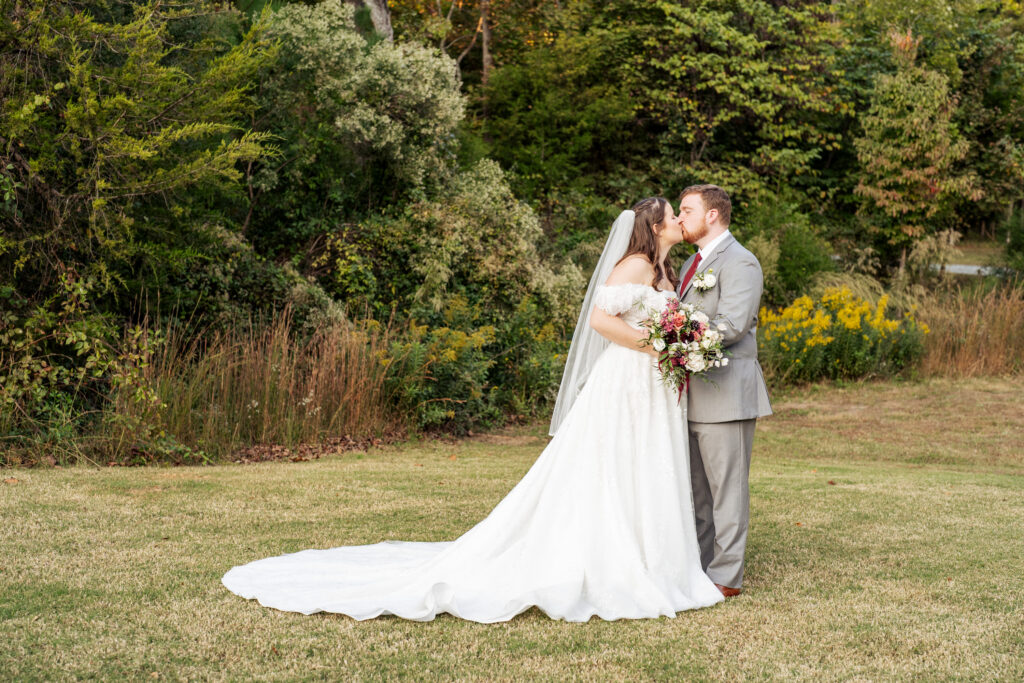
column 448, row 168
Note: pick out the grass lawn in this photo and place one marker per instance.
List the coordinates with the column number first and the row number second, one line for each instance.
column 981, row 252
column 886, row 541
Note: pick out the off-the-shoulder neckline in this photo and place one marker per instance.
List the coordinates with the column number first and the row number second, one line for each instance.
column 637, row 284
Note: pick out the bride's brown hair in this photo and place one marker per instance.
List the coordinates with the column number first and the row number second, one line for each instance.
column 648, row 224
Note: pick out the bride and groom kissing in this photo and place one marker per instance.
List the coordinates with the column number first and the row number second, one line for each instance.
column 639, row 505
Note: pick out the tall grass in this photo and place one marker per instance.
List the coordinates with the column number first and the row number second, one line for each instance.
column 223, row 391
column 974, row 331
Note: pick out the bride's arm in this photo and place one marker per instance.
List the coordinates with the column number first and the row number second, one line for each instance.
column 612, row 327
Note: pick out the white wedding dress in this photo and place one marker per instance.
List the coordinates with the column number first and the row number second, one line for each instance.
column 601, row 525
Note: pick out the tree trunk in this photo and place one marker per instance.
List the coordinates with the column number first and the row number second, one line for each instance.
column 485, row 30
column 379, row 14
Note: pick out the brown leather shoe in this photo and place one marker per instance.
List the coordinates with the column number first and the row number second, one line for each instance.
column 728, row 592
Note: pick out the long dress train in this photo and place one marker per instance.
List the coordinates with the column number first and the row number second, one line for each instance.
column 601, row 525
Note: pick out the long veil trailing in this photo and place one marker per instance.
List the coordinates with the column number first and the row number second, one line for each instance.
column 587, row 345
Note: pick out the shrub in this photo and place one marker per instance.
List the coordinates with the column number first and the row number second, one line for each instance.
column 466, row 261
column 529, row 356
column 59, row 362
column 838, row 336
column 121, row 126
column 437, row 378
column 364, row 124
column 792, row 248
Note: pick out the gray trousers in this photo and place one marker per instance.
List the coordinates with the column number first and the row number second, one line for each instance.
column 719, row 473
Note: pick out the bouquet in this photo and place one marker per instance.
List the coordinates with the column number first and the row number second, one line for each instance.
column 685, row 341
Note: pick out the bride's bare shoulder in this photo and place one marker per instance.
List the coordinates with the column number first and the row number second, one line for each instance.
column 634, row 269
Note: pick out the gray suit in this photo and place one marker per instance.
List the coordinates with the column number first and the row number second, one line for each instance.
column 723, row 410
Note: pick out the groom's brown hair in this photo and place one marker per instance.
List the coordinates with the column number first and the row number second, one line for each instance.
column 713, row 197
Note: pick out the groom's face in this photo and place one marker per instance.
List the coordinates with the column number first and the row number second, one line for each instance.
column 693, row 217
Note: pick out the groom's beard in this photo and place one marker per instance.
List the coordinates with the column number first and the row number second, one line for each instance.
column 692, row 237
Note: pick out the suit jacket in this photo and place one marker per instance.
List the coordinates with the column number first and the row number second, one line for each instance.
column 738, row 390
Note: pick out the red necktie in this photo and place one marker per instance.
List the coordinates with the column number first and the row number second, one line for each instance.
column 689, row 274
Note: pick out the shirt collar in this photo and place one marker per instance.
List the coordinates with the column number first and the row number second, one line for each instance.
column 712, row 245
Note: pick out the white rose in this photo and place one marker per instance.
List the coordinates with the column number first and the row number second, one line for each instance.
column 706, row 343
column 701, row 317
column 694, row 346
column 659, row 345
column 712, row 335
column 710, row 280
column 695, row 362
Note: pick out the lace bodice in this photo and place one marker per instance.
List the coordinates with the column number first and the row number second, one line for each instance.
column 631, row 302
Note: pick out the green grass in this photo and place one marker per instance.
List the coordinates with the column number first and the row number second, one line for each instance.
column 886, row 542
column 976, row 252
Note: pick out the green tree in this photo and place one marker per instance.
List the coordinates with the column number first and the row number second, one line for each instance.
column 107, row 130
column 121, row 138
column 364, row 124
column 991, row 115
column 740, row 90
column 909, row 151
column 979, row 46
column 735, row 92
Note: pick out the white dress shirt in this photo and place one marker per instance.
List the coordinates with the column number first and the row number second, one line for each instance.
column 712, row 245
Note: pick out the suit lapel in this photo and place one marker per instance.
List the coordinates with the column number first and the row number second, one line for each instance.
column 706, row 263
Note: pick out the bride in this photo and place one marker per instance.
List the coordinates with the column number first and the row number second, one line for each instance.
column 601, row 525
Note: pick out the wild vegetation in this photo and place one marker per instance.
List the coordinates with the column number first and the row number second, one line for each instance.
column 372, row 223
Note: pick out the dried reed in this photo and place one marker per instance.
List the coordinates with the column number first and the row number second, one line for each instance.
column 974, row 332
column 265, row 385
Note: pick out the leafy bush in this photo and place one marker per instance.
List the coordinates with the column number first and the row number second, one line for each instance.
column 792, row 248
column 116, row 153
column 437, row 378
column 59, row 362
column 839, row 336
column 529, row 356
column 466, row 261
column 364, row 124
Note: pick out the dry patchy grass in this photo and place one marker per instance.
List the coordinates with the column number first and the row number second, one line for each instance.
column 869, row 558
column 967, row 423
column 980, row 253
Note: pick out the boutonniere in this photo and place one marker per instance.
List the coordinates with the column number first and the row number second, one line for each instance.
column 702, row 282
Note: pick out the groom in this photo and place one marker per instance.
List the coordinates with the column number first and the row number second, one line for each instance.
column 724, row 280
